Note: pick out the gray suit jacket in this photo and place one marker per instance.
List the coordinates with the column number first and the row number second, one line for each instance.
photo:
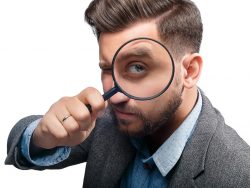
column 215, row 156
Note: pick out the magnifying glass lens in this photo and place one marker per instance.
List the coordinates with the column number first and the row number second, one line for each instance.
column 143, row 69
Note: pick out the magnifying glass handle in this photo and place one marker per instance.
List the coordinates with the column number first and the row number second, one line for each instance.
column 105, row 96
column 110, row 93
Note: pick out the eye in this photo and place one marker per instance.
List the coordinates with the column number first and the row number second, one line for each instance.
column 136, row 68
column 106, row 70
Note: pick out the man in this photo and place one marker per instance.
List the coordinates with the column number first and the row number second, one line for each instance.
column 174, row 140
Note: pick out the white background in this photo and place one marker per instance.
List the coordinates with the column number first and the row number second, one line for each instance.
column 47, row 51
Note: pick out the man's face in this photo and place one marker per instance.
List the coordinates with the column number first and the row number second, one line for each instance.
column 138, row 118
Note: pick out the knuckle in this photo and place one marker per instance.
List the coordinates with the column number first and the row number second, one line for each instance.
column 53, row 106
column 58, row 104
column 44, row 129
column 90, row 89
column 64, row 99
column 43, row 126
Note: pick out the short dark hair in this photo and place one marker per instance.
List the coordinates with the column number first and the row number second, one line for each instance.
column 178, row 21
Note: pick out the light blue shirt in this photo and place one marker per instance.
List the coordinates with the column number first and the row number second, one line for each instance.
column 147, row 171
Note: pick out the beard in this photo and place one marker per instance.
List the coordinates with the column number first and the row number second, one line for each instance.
column 149, row 124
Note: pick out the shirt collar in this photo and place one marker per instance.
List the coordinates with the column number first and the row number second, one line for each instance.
column 170, row 151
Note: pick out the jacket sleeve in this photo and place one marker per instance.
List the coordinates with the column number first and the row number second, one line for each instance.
column 14, row 157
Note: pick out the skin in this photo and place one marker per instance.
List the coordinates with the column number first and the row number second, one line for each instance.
column 51, row 132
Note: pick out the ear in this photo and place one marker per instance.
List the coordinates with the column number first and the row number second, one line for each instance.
column 192, row 66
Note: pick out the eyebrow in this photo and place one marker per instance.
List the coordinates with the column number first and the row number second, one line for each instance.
column 104, row 65
column 137, row 52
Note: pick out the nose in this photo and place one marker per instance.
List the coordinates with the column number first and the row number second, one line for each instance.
column 119, row 97
column 112, row 92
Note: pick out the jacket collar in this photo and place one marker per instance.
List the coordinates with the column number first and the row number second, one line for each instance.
column 192, row 161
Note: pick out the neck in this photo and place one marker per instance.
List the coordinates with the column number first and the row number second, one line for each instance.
column 155, row 140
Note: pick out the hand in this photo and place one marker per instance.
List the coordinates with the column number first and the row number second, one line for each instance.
column 68, row 121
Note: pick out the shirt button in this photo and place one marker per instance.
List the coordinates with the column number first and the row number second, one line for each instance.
column 147, row 166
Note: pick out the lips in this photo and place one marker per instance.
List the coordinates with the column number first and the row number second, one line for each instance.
column 124, row 114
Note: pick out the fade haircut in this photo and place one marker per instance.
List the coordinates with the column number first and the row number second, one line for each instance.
column 178, row 22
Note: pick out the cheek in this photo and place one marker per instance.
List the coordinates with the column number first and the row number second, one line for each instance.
column 107, row 81
column 153, row 109
column 149, row 108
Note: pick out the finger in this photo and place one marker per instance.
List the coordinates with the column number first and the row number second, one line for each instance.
column 71, row 126
column 49, row 133
column 81, row 136
column 65, row 116
column 58, row 130
column 68, row 110
column 80, row 113
column 59, row 109
column 77, row 138
column 92, row 97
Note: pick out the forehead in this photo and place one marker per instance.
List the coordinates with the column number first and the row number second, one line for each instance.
column 109, row 43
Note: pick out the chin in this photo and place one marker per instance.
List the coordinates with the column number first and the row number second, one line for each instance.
column 132, row 130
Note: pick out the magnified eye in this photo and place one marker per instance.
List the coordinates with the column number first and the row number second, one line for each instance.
column 136, row 68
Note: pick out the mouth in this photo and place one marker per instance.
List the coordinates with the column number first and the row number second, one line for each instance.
column 123, row 114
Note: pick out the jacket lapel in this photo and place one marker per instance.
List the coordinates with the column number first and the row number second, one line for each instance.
column 120, row 154
column 192, row 161
column 108, row 156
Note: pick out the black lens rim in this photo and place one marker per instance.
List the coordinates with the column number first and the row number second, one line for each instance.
column 143, row 98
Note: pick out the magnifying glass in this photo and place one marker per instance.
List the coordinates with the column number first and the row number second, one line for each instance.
column 142, row 69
